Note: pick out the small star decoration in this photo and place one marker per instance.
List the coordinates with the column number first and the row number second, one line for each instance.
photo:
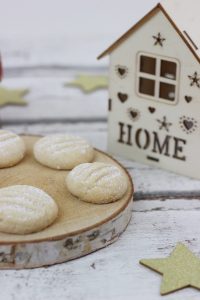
column 195, row 79
column 15, row 97
column 158, row 39
column 181, row 269
column 89, row 83
column 164, row 124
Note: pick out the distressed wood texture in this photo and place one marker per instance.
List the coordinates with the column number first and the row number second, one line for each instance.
column 79, row 229
column 166, row 207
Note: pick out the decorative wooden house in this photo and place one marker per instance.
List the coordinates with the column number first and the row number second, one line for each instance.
column 154, row 89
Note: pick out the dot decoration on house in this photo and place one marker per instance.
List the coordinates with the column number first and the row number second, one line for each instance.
column 180, row 270
column 122, row 71
column 163, row 124
column 188, row 125
column 159, row 40
column 195, row 79
column 133, row 114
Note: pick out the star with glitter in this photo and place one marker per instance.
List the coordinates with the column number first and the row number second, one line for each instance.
column 164, row 124
column 181, row 269
column 195, row 79
column 158, row 39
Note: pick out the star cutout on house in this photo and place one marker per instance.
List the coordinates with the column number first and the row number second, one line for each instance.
column 158, row 39
column 195, row 79
column 89, row 83
column 14, row 97
column 164, row 124
column 181, row 269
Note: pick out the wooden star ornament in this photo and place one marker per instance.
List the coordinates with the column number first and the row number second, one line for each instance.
column 14, row 97
column 180, row 270
column 89, row 83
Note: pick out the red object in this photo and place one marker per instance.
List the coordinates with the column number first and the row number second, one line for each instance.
column 1, row 69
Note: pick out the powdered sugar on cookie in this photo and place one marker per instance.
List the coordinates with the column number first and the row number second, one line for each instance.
column 63, row 151
column 97, row 182
column 12, row 149
column 25, row 209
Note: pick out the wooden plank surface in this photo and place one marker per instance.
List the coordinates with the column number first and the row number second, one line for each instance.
column 114, row 272
column 166, row 208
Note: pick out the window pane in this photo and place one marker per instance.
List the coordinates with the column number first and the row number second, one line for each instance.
column 168, row 69
column 148, row 64
column 147, row 86
column 167, row 91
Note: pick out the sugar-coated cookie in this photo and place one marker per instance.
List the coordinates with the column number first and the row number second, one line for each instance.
column 97, row 182
column 63, row 151
column 25, row 209
column 12, row 149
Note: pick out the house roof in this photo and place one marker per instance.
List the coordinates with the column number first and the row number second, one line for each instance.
column 184, row 17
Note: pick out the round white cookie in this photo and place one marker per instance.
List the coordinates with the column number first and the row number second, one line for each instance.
column 63, row 151
column 25, row 209
column 12, row 149
column 97, row 182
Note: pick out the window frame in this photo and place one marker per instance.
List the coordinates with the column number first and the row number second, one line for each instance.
column 157, row 78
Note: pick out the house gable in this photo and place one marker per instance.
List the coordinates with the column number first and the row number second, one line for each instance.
column 185, row 15
column 158, row 8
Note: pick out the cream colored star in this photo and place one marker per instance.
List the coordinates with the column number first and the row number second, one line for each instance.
column 181, row 269
column 89, row 83
column 14, row 97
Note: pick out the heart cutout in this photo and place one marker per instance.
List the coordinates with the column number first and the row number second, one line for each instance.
column 133, row 114
column 188, row 124
column 188, row 99
column 122, row 97
column 151, row 109
column 121, row 71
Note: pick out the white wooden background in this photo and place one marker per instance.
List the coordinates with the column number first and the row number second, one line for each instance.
column 45, row 44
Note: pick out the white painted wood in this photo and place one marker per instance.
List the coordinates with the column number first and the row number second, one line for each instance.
column 115, row 273
column 144, row 138
column 189, row 21
column 49, row 99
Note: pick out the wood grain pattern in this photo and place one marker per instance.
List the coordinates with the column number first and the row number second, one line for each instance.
column 166, row 206
column 80, row 228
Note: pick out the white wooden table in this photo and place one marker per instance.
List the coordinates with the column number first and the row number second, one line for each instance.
column 166, row 206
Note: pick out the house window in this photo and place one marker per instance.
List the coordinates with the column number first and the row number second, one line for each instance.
column 157, row 78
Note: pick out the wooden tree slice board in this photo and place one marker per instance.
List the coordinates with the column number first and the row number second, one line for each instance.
column 80, row 228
